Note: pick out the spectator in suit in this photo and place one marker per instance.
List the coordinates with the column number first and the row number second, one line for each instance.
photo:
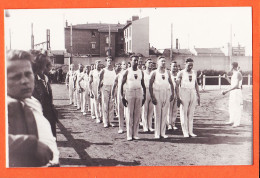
column 30, row 141
column 42, row 90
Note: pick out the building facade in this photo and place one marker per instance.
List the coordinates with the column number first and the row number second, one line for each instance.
column 96, row 39
column 136, row 34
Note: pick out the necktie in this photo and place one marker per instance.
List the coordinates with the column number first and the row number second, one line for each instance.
column 30, row 120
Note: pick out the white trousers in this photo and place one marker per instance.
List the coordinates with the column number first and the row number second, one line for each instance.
column 78, row 98
column 72, row 94
column 92, row 108
column 189, row 99
column 133, row 112
column 107, row 104
column 120, row 111
column 96, row 108
column 85, row 101
column 147, row 112
column 235, row 106
column 172, row 113
column 161, row 111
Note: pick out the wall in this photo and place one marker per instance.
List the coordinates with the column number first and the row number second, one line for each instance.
column 140, row 36
column 81, row 41
column 200, row 62
column 104, row 45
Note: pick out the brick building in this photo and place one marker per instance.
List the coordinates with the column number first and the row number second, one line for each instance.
column 93, row 39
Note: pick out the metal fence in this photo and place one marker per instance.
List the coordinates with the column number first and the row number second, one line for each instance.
column 220, row 82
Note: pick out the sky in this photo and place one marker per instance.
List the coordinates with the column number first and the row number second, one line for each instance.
column 200, row 27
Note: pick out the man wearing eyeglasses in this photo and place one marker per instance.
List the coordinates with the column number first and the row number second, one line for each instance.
column 188, row 96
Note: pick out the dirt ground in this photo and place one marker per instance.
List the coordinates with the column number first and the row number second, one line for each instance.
column 82, row 142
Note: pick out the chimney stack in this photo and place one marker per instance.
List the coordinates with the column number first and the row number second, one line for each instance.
column 177, row 44
column 128, row 21
column 66, row 24
column 135, row 18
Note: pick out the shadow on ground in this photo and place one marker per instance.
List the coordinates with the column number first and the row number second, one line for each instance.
column 80, row 146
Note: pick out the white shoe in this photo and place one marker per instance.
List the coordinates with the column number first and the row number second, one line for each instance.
column 141, row 124
column 136, row 138
column 169, row 127
column 186, row 136
column 98, row 121
column 120, row 131
column 106, row 125
column 84, row 113
column 229, row 122
column 129, row 139
column 235, row 125
column 175, row 128
column 112, row 125
column 165, row 136
column 151, row 129
column 193, row 135
column 157, row 137
column 145, row 130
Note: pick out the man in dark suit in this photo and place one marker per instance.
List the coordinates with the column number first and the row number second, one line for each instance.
column 30, row 140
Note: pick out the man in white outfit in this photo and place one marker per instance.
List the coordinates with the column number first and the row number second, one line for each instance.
column 158, row 86
column 93, row 86
column 83, row 83
column 147, row 109
column 77, row 76
column 106, row 79
column 134, row 97
column 188, row 96
column 70, row 84
column 235, row 96
column 173, row 109
column 116, row 94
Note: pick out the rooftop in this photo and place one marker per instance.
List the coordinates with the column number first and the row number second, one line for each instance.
column 178, row 51
column 101, row 27
column 209, row 50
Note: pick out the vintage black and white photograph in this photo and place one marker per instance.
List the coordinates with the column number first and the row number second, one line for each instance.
column 102, row 87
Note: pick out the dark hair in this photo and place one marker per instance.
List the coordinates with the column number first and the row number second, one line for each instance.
column 149, row 59
column 13, row 55
column 133, row 56
column 189, row 60
column 108, row 57
column 234, row 64
column 174, row 62
column 160, row 57
column 39, row 63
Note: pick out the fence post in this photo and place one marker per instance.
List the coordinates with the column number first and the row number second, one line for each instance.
column 219, row 81
column 248, row 79
column 204, row 82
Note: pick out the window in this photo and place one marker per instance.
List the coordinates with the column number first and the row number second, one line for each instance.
column 93, row 34
column 130, row 31
column 130, row 45
column 93, row 45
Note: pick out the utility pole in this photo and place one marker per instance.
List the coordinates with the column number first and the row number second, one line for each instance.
column 10, row 34
column 48, row 39
column 109, row 39
column 171, row 43
column 71, row 44
column 32, row 38
column 230, row 50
